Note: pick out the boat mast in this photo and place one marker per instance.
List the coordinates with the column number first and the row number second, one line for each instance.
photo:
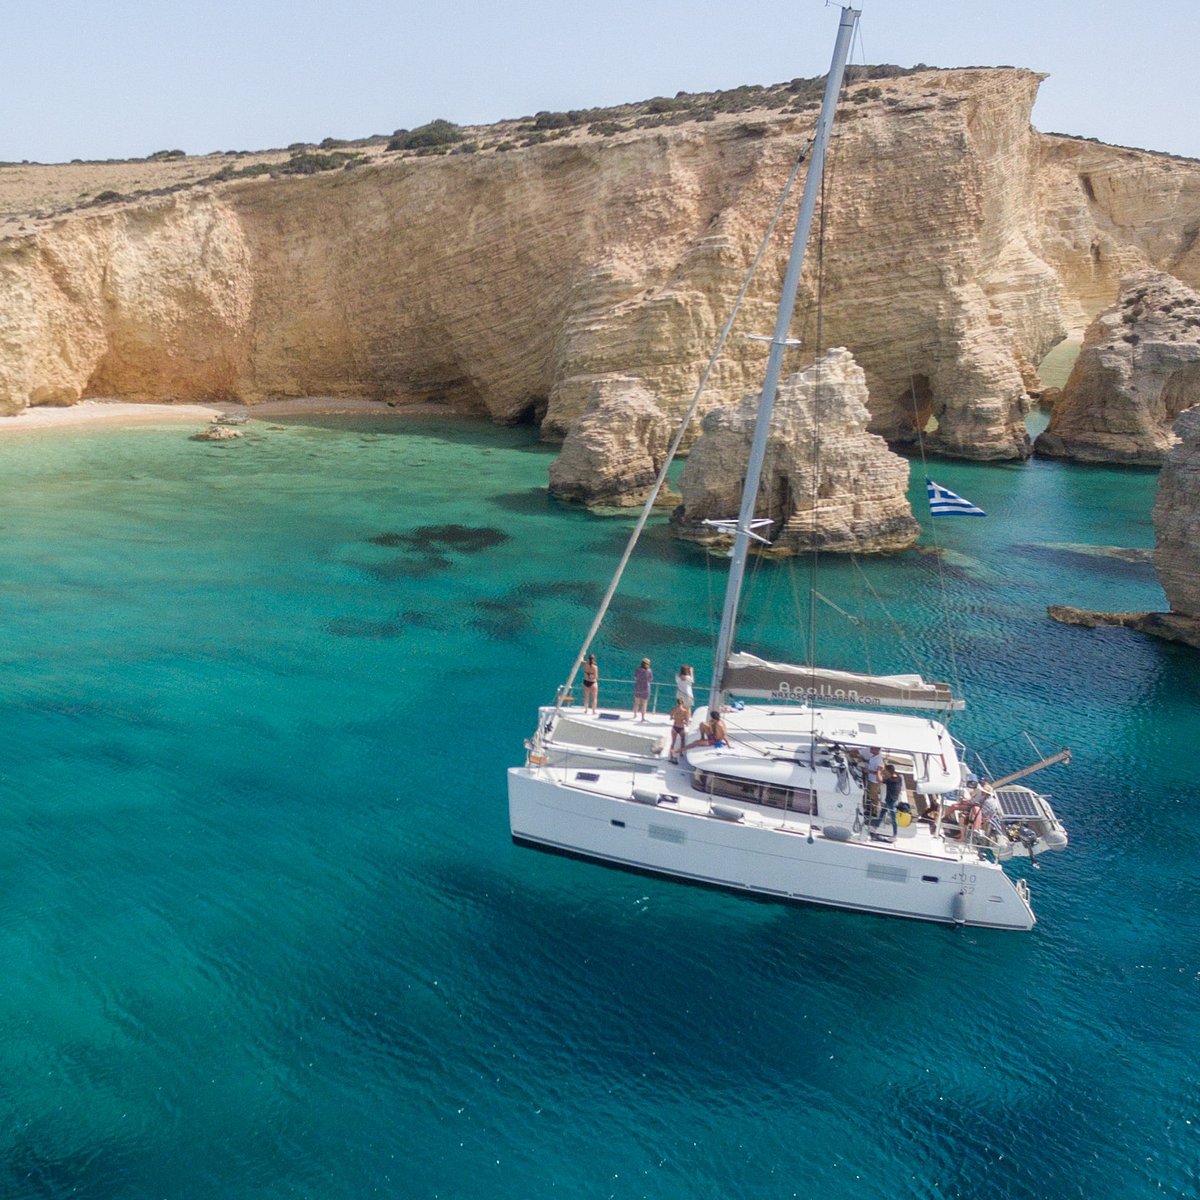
column 779, row 342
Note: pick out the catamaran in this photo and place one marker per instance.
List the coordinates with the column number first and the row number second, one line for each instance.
column 784, row 806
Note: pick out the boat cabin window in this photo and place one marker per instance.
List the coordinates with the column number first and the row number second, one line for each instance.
column 799, row 800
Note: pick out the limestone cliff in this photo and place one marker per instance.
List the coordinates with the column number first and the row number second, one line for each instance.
column 148, row 303
column 859, row 485
column 614, row 452
column 1138, row 370
column 960, row 245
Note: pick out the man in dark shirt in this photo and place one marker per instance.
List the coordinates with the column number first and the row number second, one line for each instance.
column 892, row 784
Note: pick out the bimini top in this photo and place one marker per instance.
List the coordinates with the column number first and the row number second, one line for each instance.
column 760, row 732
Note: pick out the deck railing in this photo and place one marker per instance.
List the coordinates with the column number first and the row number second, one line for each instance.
column 618, row 693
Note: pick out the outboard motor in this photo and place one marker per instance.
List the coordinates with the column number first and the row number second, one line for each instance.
column 1028, row 838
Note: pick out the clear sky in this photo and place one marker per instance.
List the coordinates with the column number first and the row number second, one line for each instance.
column 123, row 78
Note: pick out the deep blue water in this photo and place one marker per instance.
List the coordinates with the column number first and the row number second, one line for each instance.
column 264, row 932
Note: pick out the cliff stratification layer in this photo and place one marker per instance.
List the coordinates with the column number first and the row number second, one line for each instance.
column 960, row 245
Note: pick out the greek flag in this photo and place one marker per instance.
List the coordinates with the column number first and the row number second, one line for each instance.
column 944, row 503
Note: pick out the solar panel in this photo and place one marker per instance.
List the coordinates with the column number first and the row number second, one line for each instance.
column 1019, row 804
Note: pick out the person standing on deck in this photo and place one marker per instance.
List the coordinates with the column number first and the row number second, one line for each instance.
column 681, row 715
column 892, row 783
column 874, row 771
column 591, row 685
column 683, row 685
column 643, row 677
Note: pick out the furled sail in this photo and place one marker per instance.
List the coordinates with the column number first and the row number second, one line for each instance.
column 746, row 675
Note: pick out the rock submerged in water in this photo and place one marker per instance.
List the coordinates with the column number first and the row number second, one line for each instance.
column 1169, row 627
column 216, row 433
column 614, row 452
column 1138, row 370
column 861, row 486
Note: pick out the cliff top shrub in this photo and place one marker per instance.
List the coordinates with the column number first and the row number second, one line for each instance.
column 558, row 120
column 436, row 133
column 310, row 163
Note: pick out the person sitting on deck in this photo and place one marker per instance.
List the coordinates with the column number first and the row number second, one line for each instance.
column 978, row 808
column 713, row 731
column 991, row 815
column 718, row 735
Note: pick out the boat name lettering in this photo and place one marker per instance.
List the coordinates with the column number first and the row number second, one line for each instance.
column 823, row 692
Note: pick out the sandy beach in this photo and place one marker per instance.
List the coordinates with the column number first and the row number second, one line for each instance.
column 107, row 413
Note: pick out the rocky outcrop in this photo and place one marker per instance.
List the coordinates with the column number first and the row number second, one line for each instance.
column 960, row 245
column 860, row 486
column 1177, row 520
column 217, row 433
column 1138, row 370
column 1168, row 627
column 1176, row 548
column 614, row 452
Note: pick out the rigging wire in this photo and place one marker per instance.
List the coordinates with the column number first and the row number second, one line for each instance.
column 815, row 449
column 810, row 317
column 943, row 588
column 800, row 608
column 837, row 608
column 862, row 618
column 648, row 507
column 818, row 343
column 713, row 619
column 910, row 649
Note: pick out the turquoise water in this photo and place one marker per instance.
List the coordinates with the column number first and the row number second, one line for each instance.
column 265, row 934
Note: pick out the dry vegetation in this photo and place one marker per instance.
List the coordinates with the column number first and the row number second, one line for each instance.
column 31, row 193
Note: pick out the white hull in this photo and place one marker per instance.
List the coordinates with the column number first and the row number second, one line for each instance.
column 774, row 858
